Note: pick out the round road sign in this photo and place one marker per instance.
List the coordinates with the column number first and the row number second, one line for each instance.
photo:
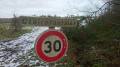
column 51, row 45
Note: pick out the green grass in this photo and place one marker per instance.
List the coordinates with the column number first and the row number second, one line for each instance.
column 9, row 33
column 4, row 24
column 6, row 33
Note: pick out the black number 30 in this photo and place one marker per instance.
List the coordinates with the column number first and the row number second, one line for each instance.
column 54, row 46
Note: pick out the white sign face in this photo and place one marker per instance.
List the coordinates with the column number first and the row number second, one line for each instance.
column 52, row 46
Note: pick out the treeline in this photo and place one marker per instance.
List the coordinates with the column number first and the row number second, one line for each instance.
column 98, row 42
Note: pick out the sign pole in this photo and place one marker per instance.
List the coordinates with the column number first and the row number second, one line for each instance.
column 51, row 27
column 51, row 45
column 50, row 64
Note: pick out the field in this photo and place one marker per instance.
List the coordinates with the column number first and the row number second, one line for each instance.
column 4, row 24
column 7, row 33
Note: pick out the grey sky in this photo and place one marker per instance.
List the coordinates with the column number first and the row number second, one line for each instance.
column 44, row 7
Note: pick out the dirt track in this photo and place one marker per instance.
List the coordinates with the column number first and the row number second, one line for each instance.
column 11, row 51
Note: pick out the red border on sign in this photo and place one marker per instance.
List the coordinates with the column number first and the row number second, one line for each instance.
column 39, row 46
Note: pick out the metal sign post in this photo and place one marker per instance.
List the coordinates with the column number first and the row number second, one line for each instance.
column 51, row 45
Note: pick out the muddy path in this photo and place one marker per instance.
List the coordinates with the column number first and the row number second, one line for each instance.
column 11, row 51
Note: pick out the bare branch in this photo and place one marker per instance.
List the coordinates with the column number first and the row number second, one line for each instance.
column 92, row 11
column 94, row 4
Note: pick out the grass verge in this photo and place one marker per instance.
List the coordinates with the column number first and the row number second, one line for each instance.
column 6, row 33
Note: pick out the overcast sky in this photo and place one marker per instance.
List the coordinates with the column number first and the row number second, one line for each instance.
column 45, row 7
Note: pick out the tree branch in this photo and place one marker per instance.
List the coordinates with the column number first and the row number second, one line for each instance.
column 93, row 4
column 92, row 11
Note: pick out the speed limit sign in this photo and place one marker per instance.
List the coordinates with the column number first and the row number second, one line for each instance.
column 51, row 45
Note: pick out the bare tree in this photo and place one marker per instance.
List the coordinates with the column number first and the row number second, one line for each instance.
column 15, row 23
